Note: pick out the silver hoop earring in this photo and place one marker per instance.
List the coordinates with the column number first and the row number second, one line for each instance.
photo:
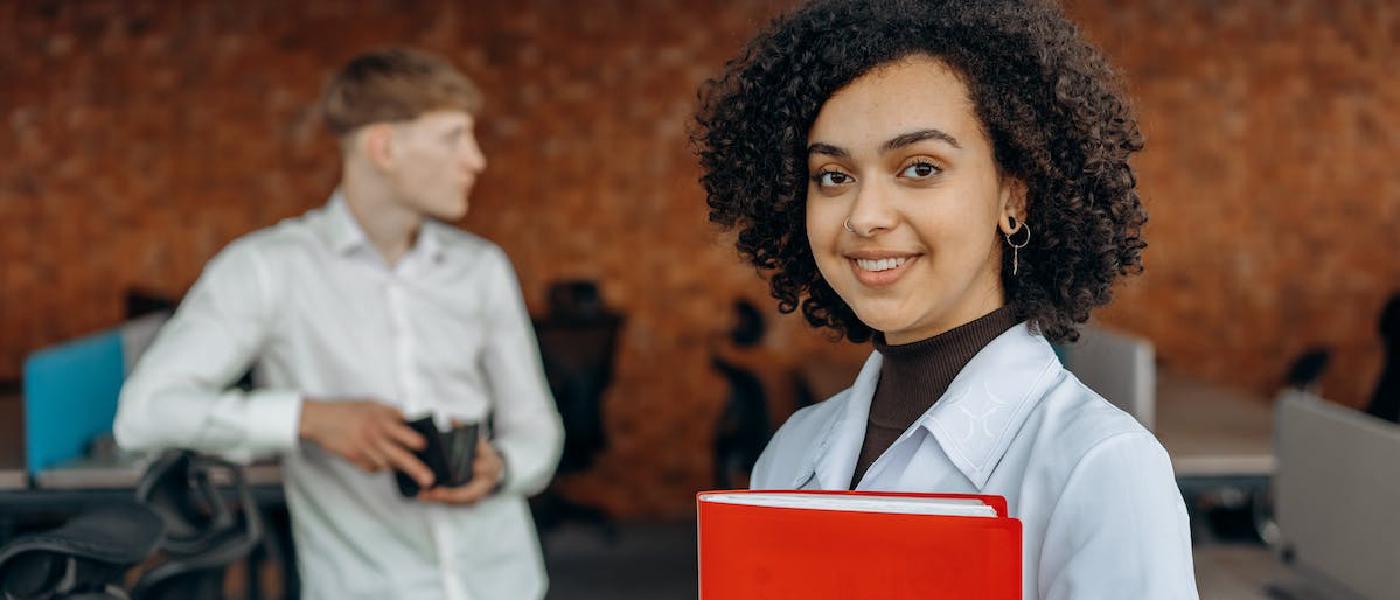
column 848, row 226
column 1016, row 248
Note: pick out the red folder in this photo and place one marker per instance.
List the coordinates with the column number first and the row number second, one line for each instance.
column 773, row 553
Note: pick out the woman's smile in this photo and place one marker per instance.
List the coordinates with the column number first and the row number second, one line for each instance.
column 880, row 269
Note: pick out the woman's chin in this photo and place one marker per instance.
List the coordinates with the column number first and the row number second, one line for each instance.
column 886, row 323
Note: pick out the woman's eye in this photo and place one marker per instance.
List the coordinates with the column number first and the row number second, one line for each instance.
column 920, row 170
column 831, row 178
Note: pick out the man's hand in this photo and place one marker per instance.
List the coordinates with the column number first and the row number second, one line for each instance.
column 487, row 470
column 370, row 435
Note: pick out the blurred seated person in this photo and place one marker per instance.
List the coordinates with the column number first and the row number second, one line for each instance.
column 1305, row 374
column 357, row 314
column 1385, row 400
column 760, row 385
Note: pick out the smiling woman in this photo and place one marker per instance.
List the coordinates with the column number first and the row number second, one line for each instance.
column 1043, row 102
column 904, row 201
column 950, row 179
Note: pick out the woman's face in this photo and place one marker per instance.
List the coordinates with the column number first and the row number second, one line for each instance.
column 899, row 155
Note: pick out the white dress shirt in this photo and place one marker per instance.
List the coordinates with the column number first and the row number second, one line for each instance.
column 1101, row 515
column 313, row 304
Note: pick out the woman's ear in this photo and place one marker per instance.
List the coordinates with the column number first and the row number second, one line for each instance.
column 1013, row 205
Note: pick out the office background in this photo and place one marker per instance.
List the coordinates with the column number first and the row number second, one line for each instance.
column 140, row 137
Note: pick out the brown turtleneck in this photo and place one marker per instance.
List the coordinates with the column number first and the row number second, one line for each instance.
column 913, row 376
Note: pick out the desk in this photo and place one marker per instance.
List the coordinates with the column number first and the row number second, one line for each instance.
column 1212, row 431
column 85, row 484
column 90, row 474
column 1221, row 446
column 13, row 479
column 12, row 473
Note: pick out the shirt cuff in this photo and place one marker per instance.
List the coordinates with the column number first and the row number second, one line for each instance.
column 274, row 418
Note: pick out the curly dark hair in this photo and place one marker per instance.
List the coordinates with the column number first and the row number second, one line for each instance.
column 1048, row 101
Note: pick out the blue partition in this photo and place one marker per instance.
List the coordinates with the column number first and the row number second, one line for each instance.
column 70, row 397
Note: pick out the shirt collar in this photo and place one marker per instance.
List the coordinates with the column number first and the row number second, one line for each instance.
column 340, row 229
column 429, row 242
column 974, row 421
column 344, row 235
column 990, row 400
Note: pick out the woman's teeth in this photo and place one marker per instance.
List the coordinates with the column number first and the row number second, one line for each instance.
column 883, row 264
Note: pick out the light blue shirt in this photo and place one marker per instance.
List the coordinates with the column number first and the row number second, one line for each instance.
column 1101, row 515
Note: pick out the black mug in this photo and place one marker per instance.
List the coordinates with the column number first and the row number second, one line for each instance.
column 449, row 454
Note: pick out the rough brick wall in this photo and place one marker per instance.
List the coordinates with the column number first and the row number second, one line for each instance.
column 1273, row 130
column 139, row 137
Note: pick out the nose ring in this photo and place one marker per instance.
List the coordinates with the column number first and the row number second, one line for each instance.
column 848, row 226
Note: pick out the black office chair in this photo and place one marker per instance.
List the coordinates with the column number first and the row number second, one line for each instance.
column 139, row 302
column 85, row 559
column 578, row 343
column 204, row 532
column 180, row 517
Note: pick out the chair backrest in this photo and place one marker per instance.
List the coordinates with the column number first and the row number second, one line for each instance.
column 205, row 532
column 71, row 390
column 1119, row 366
column 70, row 396
column 1336, row 492
column 578, row 356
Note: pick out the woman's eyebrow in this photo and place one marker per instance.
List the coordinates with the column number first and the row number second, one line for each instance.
column 914, row 137
column 828, row 149
column 894, row 143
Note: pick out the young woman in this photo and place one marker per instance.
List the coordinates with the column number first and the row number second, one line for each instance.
column 950, row 180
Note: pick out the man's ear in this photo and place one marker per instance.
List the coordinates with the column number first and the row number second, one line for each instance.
column 376, row 143
column 1013, row 204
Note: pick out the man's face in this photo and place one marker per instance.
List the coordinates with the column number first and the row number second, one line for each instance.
column 436, row 161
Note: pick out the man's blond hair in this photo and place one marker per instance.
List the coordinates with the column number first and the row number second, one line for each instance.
column 395, row 84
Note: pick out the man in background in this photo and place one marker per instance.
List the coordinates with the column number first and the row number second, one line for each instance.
column 358, row 314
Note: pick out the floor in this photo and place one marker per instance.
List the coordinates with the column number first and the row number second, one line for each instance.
column 654, row 561
column 657, row 562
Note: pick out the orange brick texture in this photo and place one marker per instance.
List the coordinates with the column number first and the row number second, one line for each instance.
column 140, row 137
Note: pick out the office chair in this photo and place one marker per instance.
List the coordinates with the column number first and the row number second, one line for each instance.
column 180, row 516
column 85, row 559
column 578, row 341
column 205, row 533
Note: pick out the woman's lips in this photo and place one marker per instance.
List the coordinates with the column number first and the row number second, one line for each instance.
column 880, row 271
